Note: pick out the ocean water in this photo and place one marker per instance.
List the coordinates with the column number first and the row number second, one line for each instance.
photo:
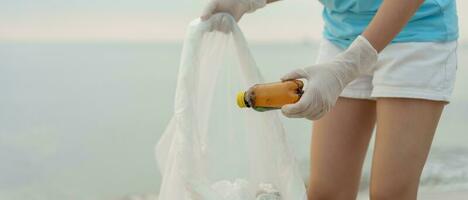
column 80, row 120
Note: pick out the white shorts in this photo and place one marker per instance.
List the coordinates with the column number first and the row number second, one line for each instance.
column 419, row 70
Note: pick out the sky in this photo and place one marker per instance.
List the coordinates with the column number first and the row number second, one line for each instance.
column 155, row 20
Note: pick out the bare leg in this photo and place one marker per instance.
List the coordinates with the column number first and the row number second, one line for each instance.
column 339, row 144
column 405, row 128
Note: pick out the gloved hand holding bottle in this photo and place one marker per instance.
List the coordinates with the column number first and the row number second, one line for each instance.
column 326, row 81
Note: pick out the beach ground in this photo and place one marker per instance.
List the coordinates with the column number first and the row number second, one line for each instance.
column 433, row 195
column 426, row 195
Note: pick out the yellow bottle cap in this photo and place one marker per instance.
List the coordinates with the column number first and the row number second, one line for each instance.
column 240, row 100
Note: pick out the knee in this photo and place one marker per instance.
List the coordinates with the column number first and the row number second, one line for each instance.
column 313, row 195
column 323, row 194
column 392, row 192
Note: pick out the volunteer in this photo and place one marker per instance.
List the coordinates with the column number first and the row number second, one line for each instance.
column 389, row 63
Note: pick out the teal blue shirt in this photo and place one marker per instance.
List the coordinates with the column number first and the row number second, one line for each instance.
column 435, row 21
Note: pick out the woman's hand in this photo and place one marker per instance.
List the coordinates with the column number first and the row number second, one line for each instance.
column 326, row 81
column 236, row 8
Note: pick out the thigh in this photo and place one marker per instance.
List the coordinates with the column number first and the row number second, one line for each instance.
column 405, row 129
column 339, row 144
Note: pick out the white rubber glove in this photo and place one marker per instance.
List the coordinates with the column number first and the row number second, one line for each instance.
column 326, row 81
column 236, row 8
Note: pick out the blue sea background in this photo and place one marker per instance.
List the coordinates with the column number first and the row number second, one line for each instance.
column 80, row 120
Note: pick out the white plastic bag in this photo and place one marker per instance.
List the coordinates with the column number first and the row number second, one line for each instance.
column 211, row 149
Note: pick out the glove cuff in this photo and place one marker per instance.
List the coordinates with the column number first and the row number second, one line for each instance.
column 358, row 59
column 255, row 4
column 364, row 54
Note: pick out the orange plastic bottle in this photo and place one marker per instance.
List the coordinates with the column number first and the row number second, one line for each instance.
column 270, row 96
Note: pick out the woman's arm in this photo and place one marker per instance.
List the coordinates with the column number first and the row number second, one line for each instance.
column 326, row 81
column 391, row 17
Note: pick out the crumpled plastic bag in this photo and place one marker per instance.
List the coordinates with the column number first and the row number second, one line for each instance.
column 211, row 149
